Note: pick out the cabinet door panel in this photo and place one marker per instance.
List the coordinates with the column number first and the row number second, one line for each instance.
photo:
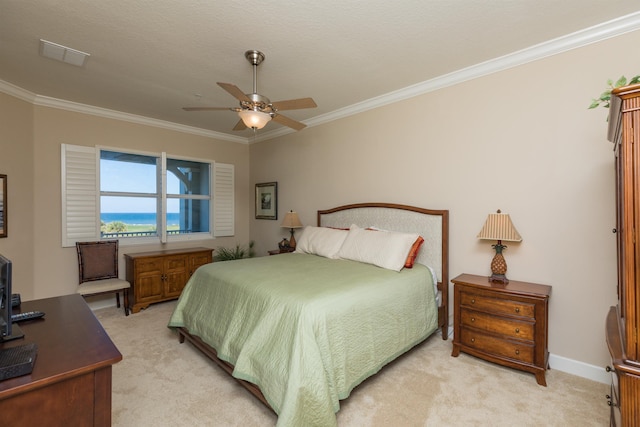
column 148, row 284
column 197, row 260
column 175, row 275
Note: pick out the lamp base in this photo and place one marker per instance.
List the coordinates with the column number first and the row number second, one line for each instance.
column 292, row 240
column 498, row 278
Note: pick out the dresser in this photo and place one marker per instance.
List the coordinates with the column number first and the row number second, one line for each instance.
column 502, row 323
column 623, row 320
column 161, row 275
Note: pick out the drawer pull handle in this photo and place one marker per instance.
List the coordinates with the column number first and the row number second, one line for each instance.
column 473, row 301
column 473, row 340
column 517, row 351
column 609, row 369
column 517, row 309
column 473, row 319
column 517, row 330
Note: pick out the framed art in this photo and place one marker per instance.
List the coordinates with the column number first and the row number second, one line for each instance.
column 3, row 205
column 267, row 200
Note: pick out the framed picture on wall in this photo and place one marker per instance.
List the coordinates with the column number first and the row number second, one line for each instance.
column 267, row 200
column 3, row 205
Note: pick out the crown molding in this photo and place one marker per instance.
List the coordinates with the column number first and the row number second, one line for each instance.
column 46, row 101
column 610, row 29
column 17, row 92
column 606, row 30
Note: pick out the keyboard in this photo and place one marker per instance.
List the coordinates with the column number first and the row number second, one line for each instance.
column 27, row 315
column 17, row 361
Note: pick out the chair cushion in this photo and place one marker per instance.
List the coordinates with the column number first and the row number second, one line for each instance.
column 106, row 285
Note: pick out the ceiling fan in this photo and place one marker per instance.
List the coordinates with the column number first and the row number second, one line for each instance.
column 255, row 110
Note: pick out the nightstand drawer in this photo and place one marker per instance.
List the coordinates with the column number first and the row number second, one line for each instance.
column 497, row 305
column 496, row 346
column 510, row 328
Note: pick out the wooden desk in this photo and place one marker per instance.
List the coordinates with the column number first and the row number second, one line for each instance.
column 71, row 380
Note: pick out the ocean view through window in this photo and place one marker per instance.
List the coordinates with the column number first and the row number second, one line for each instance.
column 190, row 199
column 136, row 202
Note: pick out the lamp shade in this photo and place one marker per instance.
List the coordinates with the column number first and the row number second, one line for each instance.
column 498, row 226
column 254, row 119
column 291, row 220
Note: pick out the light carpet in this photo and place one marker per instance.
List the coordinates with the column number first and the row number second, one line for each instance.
column 161, row 382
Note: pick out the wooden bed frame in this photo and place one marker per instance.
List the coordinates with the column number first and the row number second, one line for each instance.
column 432, row 225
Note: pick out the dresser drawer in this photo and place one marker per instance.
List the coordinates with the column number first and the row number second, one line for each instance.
column 510, row 328
column 499, row 347
column 497, row 305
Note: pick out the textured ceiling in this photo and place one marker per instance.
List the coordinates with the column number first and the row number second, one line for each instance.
column 152, row 57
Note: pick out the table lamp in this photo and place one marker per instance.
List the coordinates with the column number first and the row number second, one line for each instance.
column 498, row 226
column 291, row 221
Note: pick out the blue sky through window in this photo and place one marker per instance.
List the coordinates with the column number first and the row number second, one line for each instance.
column 135, row 178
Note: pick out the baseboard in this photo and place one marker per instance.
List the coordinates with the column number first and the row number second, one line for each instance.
column 101, row 301
column 573, row 367
column 581, row 369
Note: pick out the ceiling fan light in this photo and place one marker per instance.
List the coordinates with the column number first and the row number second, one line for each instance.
column 254, row 119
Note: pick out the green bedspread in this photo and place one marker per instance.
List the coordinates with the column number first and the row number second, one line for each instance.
column 307, row 329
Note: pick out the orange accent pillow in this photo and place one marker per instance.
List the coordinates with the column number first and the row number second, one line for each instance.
column 413, row 253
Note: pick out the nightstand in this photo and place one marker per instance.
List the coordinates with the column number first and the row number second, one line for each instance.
column 281, row 251
column 502, row 323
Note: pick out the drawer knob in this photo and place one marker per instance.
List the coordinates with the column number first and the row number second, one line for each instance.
column 608, row 369
column 473, row 319
column 517, row 351
column 473, row 340
column 473, row 300
column 517, row 309
column 517, row 330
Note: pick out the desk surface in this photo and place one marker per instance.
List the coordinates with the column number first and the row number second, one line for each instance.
column 71, row 342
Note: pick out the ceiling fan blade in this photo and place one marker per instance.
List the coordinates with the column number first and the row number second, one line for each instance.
column 294, row 104
column 234, row 91
column 207, row 108
column 284, row 120
column 240, row 125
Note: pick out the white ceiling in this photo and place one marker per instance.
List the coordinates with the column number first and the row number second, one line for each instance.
column 151, row 57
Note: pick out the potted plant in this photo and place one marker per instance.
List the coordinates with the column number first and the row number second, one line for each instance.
column 239, row 252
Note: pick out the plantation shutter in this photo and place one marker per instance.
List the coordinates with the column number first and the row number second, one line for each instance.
column 223, row 200
column 79, row 194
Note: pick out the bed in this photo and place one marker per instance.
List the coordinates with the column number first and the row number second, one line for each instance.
column 301, row 330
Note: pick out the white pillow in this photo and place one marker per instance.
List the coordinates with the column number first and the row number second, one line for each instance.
column 386, row 249
column 321, row 241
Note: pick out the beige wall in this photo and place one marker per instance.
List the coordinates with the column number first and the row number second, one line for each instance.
column 17, row 162
column 521, row 140
column 32, row 138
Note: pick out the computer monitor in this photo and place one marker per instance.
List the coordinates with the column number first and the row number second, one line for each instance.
column 8, row 331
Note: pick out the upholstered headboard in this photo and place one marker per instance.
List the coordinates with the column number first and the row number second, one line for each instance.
column 432, row 225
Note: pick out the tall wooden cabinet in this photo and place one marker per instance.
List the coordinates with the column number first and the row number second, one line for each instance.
column 623, row 321
column 161, row 275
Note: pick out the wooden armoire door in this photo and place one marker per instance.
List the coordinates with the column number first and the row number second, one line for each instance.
column 623, row 320
column 625, row 132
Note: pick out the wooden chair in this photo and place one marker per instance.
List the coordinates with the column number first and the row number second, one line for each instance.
column 98, row 271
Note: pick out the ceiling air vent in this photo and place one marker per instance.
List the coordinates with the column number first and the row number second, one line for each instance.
column 62, row 53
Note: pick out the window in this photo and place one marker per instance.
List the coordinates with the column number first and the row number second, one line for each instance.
column 143, row 197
